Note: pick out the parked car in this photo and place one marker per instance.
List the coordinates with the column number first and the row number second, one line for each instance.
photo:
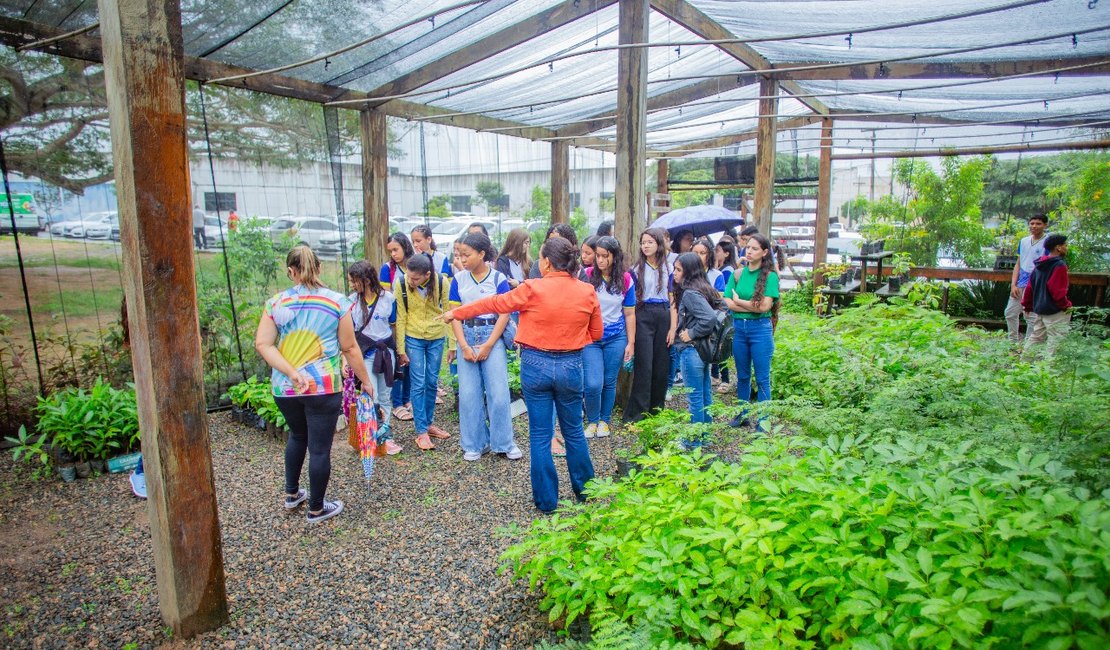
column 103, row 228
column 304, row 230
column 844, row 242
column 213, row 238
column 799, row 245
column 453, row 228
column 77, row 228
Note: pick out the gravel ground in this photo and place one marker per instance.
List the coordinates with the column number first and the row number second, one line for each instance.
column 414, row 565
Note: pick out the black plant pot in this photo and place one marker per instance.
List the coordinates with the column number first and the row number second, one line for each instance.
column 625, row 467
column 895, row 283
column 835, row 283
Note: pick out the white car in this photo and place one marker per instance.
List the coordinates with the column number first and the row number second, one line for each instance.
column 77, row 228
column 102, row 229
column 844, row 242
column 212, row 235
column 454, row 228
column 304, row 230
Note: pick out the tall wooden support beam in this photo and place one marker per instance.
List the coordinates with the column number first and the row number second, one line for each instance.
column 375, row 181
column 631, row 200
column 661, row 171
column 145, row 82
column 560, row 182
column 824, row 195
column 765, row 154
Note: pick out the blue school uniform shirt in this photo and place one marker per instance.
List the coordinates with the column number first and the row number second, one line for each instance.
column 652, row 292
column 716, row 279
column 443, row 263
column 613, row 304
column 466, row 288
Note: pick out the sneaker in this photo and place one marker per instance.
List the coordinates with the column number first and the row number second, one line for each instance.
column 724, row 388
column 471, row 456
column 603, row 430
column 668, row 396
column 591, row 430
column 138, row 484
column 331, row 509
column 294, row 501
column 514, row 453
column 739, row 422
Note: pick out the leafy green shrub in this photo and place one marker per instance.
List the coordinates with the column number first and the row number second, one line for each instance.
column 257, row 396
column 91, row 424
column 832, row 544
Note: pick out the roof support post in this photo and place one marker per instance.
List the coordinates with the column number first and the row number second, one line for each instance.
column 145, row 83
column 631, row 200
column 560, row 182
column 824, row 195
column 661, row 171
column 375, row 185
column 765, row 154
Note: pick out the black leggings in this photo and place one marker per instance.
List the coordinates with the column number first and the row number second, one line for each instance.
column 652, row 363
column 311, row 420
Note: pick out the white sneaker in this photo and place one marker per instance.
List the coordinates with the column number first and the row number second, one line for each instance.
column 668, row 396
column 603, row 430
column 724, row 388
column 591, row 431
column 514, row 453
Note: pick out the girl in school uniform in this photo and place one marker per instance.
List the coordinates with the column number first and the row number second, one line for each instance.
column 482, row 360
column 654, row 327
column 602, row 360
column 423, row 243
column 559, row 315
column 725, row 262
column 752, row 295
column 374, row 316
column 696, row 303
column 421, row 295
column 514, row 261
column 400, row 251
column 704, row 249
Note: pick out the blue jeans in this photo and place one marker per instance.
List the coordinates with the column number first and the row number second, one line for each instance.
column 425, row 360
column 602, row 361
column 696, row 374
column 484, row 393
column 401, row 392
column 753, row 344
column 552, row 383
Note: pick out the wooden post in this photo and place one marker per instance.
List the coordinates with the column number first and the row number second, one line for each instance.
column 631, row 205
column 560, row 182
column 765, row 155
column 145, row 83
column 661, row 176
column 375, row 184
column 824, row 194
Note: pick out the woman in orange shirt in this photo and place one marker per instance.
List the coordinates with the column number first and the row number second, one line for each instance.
column 559, row 315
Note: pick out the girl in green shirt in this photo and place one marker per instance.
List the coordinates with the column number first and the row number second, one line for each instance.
column 752, row 296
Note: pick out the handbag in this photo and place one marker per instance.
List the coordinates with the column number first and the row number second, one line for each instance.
column 364, row 340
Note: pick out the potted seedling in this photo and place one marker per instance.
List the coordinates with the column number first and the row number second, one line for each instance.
column 899, row 271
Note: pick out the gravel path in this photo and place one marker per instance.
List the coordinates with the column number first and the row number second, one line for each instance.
column 415, row 565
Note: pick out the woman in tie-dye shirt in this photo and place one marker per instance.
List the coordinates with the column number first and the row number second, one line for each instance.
column 303, row 334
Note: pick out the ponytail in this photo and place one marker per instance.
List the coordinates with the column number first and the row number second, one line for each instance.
column 305, row 265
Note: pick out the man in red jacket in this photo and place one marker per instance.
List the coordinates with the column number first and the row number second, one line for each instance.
column 1046, row 295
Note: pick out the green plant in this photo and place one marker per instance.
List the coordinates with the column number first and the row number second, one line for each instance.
column 29, row 449
column 90, row 424
column 837, row 543
column 655, row 431
column 900, row 264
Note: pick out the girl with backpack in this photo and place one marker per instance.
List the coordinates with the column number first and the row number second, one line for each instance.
column 374, row 316
column 725, row 261
column 602, row 360
column 422, row 296
column 400, row 251
column 654, row 325
column 696, row 303
column 704, row 249
column 483, row 364
column 752, row 295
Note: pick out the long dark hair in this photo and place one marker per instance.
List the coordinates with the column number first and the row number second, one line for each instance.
column 694, row 279
column 363, row 273
column 561, row 254
column 423, row 264
column 765, row 268
column 728, row 245
column 658, row 234
column 616, row 268
column 676, row 241
column 402, row 240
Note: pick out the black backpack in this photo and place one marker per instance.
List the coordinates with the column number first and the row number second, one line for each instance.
column 717, row 346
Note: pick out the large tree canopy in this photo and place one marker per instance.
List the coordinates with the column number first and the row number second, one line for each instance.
column 54, row 120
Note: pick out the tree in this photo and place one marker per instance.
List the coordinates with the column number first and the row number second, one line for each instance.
column 490, row 194
column 438, row 207
column 942, row 212
column 54, row 117
column 1084, row 214
column 541, row 205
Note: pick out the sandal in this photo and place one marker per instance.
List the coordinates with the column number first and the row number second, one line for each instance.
column 403, row 413
column 557, row 448
column 424, row 442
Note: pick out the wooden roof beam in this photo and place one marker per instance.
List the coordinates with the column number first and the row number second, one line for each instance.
column 735, row 138
column 15, row 32
column 965, row 151
column 672, row 99
column 925, row 120
column 698, row 22
column 944, row 70
column 494, row 44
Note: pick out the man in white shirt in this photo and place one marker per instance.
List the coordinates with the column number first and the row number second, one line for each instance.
column 198, row 227
column 1030, row 249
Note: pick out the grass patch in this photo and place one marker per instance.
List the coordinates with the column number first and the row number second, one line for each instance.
column 82, row 303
